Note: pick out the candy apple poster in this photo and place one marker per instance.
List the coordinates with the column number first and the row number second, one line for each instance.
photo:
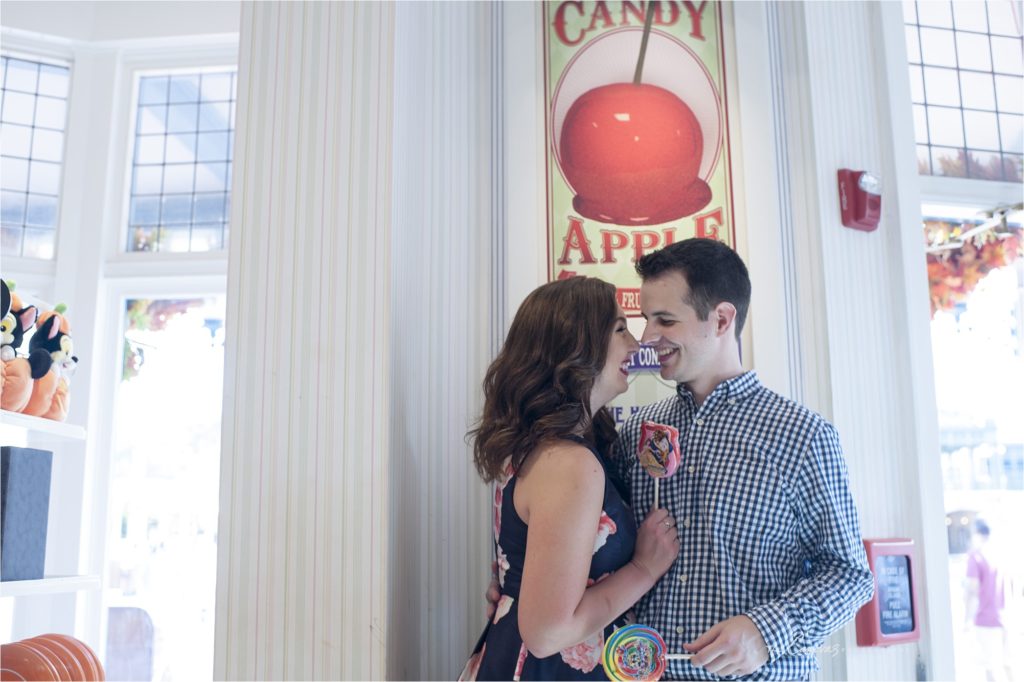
column 637, row 155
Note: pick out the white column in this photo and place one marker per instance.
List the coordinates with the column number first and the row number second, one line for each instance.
column 447, row 300
column 303, row 551
column 852, row 305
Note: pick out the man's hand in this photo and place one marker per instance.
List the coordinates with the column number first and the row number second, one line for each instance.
column 493, row 594
column 731, row 647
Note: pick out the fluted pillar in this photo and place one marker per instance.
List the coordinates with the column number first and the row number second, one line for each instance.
column 303, row 556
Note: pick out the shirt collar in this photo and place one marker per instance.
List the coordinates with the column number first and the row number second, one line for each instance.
column 729, row 391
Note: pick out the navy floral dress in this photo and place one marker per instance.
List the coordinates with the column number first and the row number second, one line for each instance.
column 500, row 654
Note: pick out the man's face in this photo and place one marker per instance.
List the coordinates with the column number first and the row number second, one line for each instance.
column 685, row 344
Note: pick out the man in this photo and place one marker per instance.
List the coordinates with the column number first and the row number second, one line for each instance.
column 771, row 560
column 985, row 602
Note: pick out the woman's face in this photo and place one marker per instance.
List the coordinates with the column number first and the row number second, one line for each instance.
column 613, row 379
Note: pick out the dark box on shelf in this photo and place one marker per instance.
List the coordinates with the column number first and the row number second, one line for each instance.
column 24, row 508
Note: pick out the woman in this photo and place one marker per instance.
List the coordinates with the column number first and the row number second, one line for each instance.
column 570, row 560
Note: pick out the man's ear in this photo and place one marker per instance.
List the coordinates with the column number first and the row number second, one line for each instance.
column 724, row 315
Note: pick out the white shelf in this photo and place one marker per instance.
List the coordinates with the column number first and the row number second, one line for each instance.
column 40, row 426
column 52, row 585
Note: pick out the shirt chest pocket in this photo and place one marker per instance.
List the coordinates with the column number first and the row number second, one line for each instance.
column 751, row 517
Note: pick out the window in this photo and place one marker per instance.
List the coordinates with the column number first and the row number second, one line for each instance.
column 966, row 86
column 181, row 166
column 33, row 114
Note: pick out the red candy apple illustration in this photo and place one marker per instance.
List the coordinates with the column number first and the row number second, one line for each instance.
column 632, row 152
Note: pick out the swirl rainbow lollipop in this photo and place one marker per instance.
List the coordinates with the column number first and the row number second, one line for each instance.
column 636, row 652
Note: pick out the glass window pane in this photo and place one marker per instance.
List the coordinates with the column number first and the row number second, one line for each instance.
column 177, row 209
column 145, row 210
column 920, row 124
column 17, row 140
column 924, row 166
column 181, row 148
column 50, row 112
column 47, row 144
column 149, row 149
column 184, row 89
column 1006, row 55
column 18, row 108
column 211, row 177
column 39, row 243
column 54, row 81
column 214, row 116
column 152, row 119
column 14, row 174
column 206, row 237
column 930, row 13
column 970, row 16
column 910, row 11
column 41, row 211
column 982, row 165
column 1001, row 20
column 945, row 127
column 11, row 240
column 1011, row 127
column 916, row 85
column 941, row 87
column 45, row 178
column 982, row 130
column 913, row 45
column 213, row 147
column 148, row 179
column 153, row 90
column 1013, row 167
column 937, row 47
column 142, row 238
column 182, row 117
column 1010, row 94
column 21, row 75
column 972, row 51
column 174, row 239
column 977, row 90
column 217, row 87
column 178, row 177
column 209, row 207
column 949, row 162
column 12, row 207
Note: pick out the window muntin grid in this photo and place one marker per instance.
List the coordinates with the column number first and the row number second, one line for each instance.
column 33, row 117
column 181, row 162
column 967, row 87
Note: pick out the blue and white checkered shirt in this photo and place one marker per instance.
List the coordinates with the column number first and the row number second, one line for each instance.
column 766, row 522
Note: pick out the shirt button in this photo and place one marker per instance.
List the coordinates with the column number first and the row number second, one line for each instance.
column 682, row 578
column 732, row 401
column 691, row 468
column 679, row 630
column 686, row 523
column 700, row 422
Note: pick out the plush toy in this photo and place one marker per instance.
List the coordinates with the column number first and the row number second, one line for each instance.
column 18, row 374
column 50, row 397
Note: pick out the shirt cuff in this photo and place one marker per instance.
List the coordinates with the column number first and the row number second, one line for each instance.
column 775, row 627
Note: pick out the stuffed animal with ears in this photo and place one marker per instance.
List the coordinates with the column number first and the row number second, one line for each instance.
column 50, row 397
column 18, row 373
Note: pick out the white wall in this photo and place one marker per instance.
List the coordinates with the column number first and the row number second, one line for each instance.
column 121, row 20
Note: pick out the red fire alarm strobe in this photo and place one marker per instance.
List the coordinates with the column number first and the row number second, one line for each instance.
column 891, row 616
column 860, row 199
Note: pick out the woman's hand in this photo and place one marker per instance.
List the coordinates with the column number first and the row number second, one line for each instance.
column 657, row 544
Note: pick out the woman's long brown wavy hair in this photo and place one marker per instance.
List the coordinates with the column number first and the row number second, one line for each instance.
column 538, row 388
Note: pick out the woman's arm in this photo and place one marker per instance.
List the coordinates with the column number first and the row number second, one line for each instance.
column 560, row 496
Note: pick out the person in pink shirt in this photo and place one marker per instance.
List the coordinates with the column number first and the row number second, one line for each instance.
column 985, row 602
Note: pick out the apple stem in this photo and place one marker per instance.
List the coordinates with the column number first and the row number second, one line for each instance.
column 643, row 41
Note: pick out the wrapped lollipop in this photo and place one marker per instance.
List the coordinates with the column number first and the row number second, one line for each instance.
column 658, row 452
column 636, row 652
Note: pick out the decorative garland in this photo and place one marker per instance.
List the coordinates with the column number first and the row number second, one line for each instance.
column 953, row 273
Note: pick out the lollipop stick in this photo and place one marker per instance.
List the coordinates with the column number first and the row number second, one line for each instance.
column 679, row 657
column 656, row 492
